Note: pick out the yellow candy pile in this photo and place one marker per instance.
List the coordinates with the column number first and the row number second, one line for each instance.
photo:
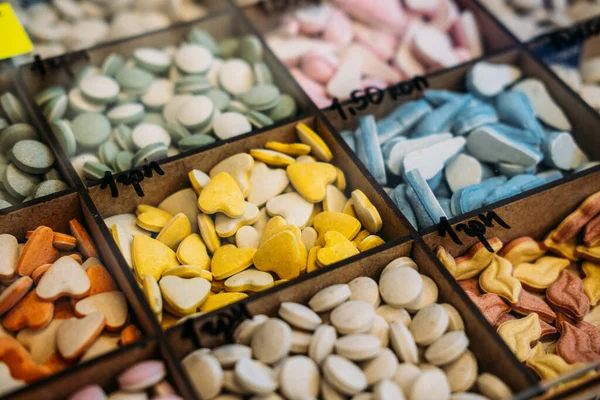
column 253, row 221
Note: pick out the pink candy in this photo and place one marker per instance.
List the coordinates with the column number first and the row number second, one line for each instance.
column 90, row 392
column 142, row 375
column 395, row 39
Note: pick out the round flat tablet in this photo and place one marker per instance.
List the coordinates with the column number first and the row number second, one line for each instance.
column 99, row 88
column 32, row 156
column 195, row 141
column 48, row 187
column 153, row 60
column 159, row 94
column 152, row 152
column 18, row 183
column 146, row 134
column 193, row 59
column 90, row 129
column 231, row 124
column 196, row 112
column 13, row 108
column 128, row 114
column 236, row 76
column 64, row 134
column 14, row 134
column 134, row 78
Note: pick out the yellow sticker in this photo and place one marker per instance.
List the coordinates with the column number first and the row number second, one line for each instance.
column 13, row 37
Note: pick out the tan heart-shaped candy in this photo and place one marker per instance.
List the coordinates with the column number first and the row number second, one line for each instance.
column 113, row 305
column 184, row 296
column 64, row 278
column 41, row 343
column 74, row 336
column 239, row 167
column 9, row 248
column 266, row 183
column 293, row 207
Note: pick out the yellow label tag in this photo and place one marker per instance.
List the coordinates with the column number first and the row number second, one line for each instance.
column 13, row 38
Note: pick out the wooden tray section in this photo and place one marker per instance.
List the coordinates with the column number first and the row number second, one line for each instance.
column 61, row 70
column 493, row 355
column 533, row 216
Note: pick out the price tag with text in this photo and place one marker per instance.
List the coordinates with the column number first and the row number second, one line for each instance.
column 13, row 38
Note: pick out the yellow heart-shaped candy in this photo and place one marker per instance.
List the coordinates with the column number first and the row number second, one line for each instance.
column 177, row 229
column 311, row 263
column 370, row 242
column 239, row 167
column 221, row 300
column 318, row 146
column 281, row 254
column 367, row 213
column 336, row 248
column 222, row 194
column 292, row 149
column 228, row 260
column 151, row 257
column 193, row 251
column 206, row 226
column 151, row 218
column 333, row 221
column 183, row 296
column 311, row 179
column 189, row 271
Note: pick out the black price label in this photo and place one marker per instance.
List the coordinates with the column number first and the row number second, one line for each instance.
column 472, row 228
column 575, row 34
column 133, row 177
column 279, row 6
column 361, row 99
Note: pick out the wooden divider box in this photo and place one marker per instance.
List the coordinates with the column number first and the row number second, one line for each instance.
column 61, row 70
column 492, row 354
column 534, row 216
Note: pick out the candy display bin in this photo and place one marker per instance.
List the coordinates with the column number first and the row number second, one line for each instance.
column 56, row 213
column 175, row 178
column 104, row 371
column 493, row 356
column 8, row 84
column 583, row 120
column 533, row 216
column 61, row 70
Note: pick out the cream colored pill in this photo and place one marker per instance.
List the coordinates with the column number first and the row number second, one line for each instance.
column 271, row 341
column 429, row 295
column 429, row 324
column 365, row 289
column 405, row 376
column 401, row 286
column 229, row 354
column 455, row 321
column 299, row 378
column 255, row 376
column 391, row 314
column 462, row 372
column 322, row 343
column 329, row 298
column 353, row 316
column 330, row 393
column 381, row 329
column 244, row 332
column 491, row 386
column 193, row 59
column 431, row 384
column 447, row 348
column 205, row 372
column 387, row 390
column 403, row 343
column 231, row 385
column 300, row 342
column 309, row 237
column 381, row 367
column 343, row 375
column 358, row 347
column 397, row 263
column 299, row 316
column 467, row 396
column 146, row 134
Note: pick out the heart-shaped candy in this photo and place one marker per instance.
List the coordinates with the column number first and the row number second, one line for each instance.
column 333, row 221
column 282, row 255
column 7, row 382
column 292, row 149
column 193, row 251
column 198, row 179
column 64, row 278
column 177, row 229
column 239, row 167
column 228, row 260
column 104, row 344
column 336, row 248
column 266, row 183
column 100, row 279
column 250, row 280
column 20, row 365
column 14, row 293
column 40, row 342
column 85, row 244
column 152, row 293
column 221, row 300
column 335, row 199
column 123, row 240
column 273, row 158
column 74, row 336
column 113, row 305
column 367, row 213
column 9, row 248
column 151, row 218
column 247, row 236
column 183, row 296
column 31, row 312
column 183, row 201
column 222, row 194
column 311, row 179
column 152, row 257
column 311, row 138
column 37, row 251
column 227, row 227
column 208, row 233
column 292, row 207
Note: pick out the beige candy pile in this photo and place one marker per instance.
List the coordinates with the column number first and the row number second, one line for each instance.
column 254, row 220
column 65, row 25
column 388, row 341
column 585, row 80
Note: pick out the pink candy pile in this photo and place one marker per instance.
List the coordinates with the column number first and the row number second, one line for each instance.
column 343, row 45
column 135, row 382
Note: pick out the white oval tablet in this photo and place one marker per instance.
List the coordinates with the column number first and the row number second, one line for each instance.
column 299, row 316
column 196, row 112
column 147, row 133
column 400, row 286
column 193, row 59
column 358, row 347
column 236, row 76
column 429, row 324
column 231, row 124
column 330, row 297
column 322, row 343
column 299, row 378
column 99, row 88
column 354, row 316
column 344, row 375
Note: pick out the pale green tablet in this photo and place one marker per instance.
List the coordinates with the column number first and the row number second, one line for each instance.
column 123, row 136
column 201, row 37
column 63, row 132
column 95, row 170
column 261, row 97
column 286, row 108
column 195, row 142
column 177, row 131
column 49, row 187
column 32, row 156
column 112, row 64
column 108, row 152
column 3, row 124
column 220, row 98
column 52, row 174
column 152, row 60
column 262, row 74
column 13, row 108
column 48, row 94
column 90, row 129
column 19, row 184
column 258, row 119
column 15, row 133
column 251, row 49
column 192, row 84
column 56, row 108
column 134, row 79
column 155, row 118
column 128, row 114
column 229, row 47
column 152, row 152
column 123, row 161
column 99, row 88
column 4, row 204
